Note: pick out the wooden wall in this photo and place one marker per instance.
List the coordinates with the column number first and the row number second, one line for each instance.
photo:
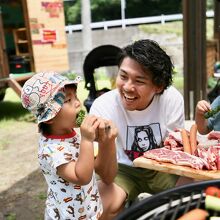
column 47, row 30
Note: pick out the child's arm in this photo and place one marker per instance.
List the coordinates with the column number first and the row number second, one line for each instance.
column 202, row 123
column 81, row 171
column 106, row 160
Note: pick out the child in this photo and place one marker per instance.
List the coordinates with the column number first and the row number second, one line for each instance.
column 206, row 125
column 66, row 160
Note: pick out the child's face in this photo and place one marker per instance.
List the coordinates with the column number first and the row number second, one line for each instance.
column 65, row 120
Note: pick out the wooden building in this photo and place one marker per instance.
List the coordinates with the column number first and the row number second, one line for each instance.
column 32, row 39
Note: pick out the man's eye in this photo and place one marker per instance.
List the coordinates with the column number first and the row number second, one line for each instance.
column 140, row 82
column 123, row 76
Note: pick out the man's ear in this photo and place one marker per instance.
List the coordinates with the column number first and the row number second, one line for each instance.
column 159, row 89
column 49, row 122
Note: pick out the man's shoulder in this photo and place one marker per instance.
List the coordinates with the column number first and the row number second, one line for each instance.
column 107, row 102
column 107, row 97
column 216, row 102
column 172, row 92
column 171, row 97
column 217, row 99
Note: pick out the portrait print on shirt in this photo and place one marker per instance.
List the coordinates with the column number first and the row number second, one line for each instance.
column 141, row 139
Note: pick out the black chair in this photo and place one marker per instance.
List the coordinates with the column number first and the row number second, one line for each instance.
column 101, row 56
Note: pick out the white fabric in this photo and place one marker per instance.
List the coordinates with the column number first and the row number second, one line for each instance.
column 164, row 114
column 66, row 200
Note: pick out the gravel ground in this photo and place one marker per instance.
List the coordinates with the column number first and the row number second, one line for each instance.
column 22, row 187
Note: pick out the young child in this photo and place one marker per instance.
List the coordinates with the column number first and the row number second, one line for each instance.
column 206, row 125
column 66, row 159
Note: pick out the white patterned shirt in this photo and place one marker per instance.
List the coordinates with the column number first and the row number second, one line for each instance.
column 66, row 200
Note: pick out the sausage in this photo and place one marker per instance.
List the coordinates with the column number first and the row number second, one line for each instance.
column 193, row 138
column 185, row 141
column 195, row 214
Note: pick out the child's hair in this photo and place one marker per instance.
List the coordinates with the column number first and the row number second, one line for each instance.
column 44, row 128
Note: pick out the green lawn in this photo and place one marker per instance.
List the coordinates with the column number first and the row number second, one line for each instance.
column 175, row 27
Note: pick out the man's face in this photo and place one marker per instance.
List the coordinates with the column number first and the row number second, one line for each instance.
column 135, row 85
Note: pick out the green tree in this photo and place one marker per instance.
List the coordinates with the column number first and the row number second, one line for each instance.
column 105, row 10
column 210, row 4
column 111, row 9
column 143, row 8
column 72, row 11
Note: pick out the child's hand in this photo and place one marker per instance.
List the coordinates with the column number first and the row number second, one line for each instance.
column 88, row 127
column 107, row 131
column 202, row 107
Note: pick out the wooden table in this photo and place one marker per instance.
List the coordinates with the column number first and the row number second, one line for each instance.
column 178, row 170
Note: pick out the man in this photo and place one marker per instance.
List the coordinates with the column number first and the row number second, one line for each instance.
column 143, row 98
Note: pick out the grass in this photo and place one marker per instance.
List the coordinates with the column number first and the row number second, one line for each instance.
column 167, row 28
column 178, row 82
column 11, row 109
column 174, row 28
column 11, row 216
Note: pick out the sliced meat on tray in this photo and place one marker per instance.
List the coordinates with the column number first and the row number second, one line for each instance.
column 214, row 135
column 211, row 155
column 175, row 157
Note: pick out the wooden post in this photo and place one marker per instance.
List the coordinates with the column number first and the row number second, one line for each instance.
column 28, row 33
column 194, row 35
column 4, row 70
column 217, row 24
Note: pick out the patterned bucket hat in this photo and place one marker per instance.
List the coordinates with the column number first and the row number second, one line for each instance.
column 43, row 94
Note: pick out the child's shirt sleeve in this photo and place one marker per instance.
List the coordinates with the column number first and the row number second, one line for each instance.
column 57, row 153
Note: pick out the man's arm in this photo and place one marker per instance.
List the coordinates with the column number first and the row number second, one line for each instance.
column 106, row 160
column 202, row 123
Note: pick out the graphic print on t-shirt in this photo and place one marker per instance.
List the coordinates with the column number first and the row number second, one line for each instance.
column 142, row 138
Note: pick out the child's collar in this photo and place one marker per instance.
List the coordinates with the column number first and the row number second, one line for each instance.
column 64, row 136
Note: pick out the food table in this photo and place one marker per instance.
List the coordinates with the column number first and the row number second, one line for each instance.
column 176, row 169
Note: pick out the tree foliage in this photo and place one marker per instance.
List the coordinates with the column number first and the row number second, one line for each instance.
column 111, row 9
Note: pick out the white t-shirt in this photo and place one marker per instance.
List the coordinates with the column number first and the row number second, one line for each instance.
column 66, row 200
column 139, row 131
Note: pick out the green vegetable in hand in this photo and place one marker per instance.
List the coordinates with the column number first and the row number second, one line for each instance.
column 80, row 117
column 212, row 112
